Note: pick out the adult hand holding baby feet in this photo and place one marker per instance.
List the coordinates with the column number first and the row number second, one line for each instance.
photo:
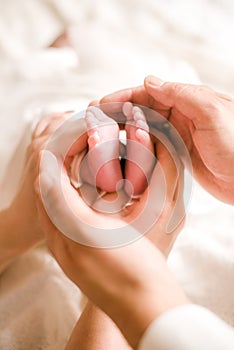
column 93, row 269
column 202, row 117
column 134, row 217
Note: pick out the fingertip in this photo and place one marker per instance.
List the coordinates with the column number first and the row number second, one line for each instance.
column 153, row 81
column 117, row 96
column 155, row 88
column 127, row 109
column 94, row 103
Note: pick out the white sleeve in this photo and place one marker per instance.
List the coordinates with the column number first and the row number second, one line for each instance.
column 189, row 327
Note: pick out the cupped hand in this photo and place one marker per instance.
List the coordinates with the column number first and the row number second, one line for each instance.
column 203, row 118
column 123, row 280
column 159, row 212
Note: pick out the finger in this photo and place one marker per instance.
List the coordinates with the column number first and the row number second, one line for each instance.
column 94, row 103
column 174, row 176
column 178, row 215
column 137, row 95
column 55, row 123
column 53, row 188
column 79, row 170
column 163, row 181
column 71, row 215
column 69, row 139
column 195, row 102
column 50, row 123
column 170, row 164
column 43, row 122
column 58, row 244
column 65, row 208
column 166, row 196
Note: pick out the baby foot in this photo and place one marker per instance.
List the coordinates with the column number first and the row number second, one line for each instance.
column 140, row 159
column 103, row 156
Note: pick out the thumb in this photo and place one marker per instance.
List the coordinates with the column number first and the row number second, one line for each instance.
column 59, row 199
column 193, row 101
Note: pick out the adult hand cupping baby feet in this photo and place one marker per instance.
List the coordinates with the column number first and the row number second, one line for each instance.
column 140, row 214
column 142, row 279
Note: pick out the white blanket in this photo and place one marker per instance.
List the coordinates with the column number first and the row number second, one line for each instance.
column 116, row 43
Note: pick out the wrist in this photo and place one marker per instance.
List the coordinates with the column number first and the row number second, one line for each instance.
column 7, row 244
column 16, row 237
column 25, row 223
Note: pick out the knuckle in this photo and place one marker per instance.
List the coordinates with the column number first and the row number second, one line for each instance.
column 175, row 90
column 211, row 102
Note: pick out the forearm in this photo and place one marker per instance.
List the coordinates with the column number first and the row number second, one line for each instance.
column 96, row 331
column 15, row 237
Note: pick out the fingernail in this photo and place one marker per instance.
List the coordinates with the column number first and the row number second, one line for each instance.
column 154, row 81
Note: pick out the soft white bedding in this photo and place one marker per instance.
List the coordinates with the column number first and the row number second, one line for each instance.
column 116, row 43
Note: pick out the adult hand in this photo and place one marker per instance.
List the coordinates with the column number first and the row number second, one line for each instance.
column 131, row 284
column 203, row 118
column 20, row 227
column 121, row 281
column 162, row 199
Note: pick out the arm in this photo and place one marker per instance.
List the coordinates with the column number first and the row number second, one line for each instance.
column 142, row 290
column 96, row 331
column 106, row 275
column 15, row 238
column 20, row 228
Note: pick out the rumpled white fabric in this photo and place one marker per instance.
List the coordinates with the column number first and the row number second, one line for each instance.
column 189, row 327
column 116, row 43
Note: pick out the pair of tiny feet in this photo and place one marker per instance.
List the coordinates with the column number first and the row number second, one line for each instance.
column 105, row 150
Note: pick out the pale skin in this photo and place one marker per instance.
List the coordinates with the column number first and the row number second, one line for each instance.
column 20, row 227
column 216, row 176
column 103, row 329
column 21, row 217
column 95, row 330
column 185, row 105
column 141, row 282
